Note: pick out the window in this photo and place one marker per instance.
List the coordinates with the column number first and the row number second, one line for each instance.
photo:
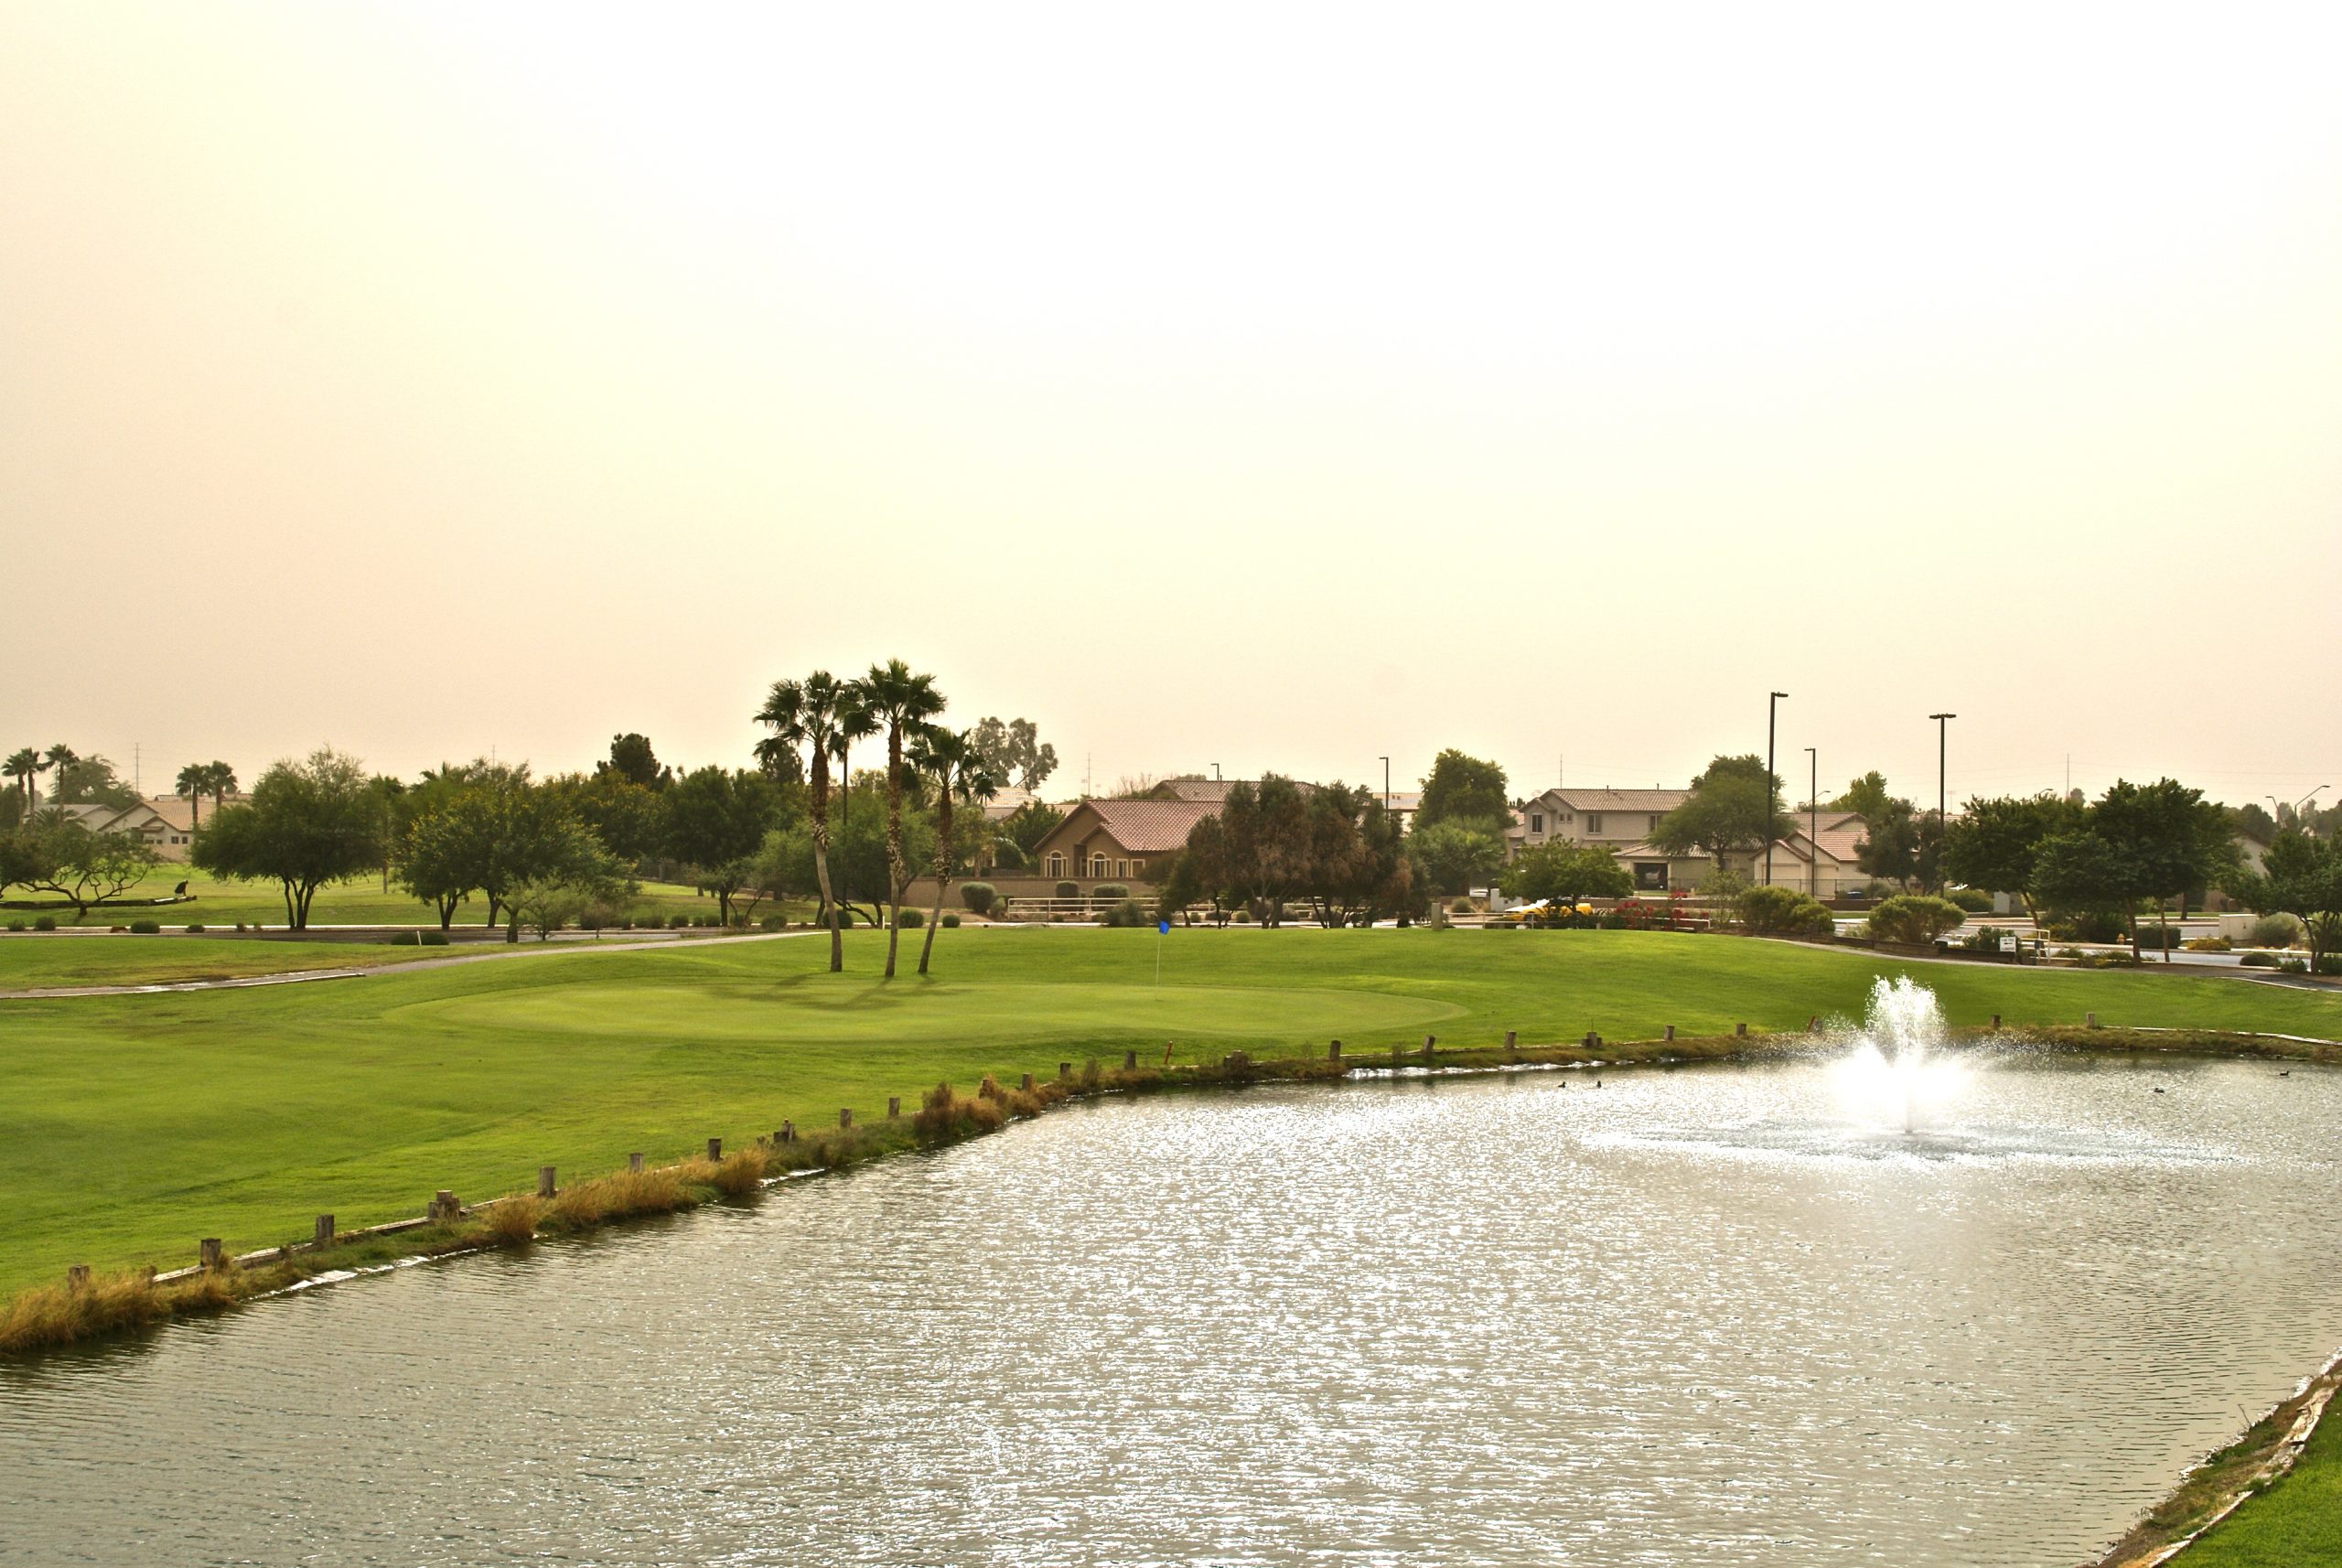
column 1057, row 865
column 1122, row 868
column 1654, row 825
column 1097, row 865
column 1536, row 821
column 1594, row 822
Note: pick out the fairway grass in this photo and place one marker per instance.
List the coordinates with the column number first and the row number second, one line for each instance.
column 33, row 963
column 360, row 902
column 139, row 1123
column 2295, row 1523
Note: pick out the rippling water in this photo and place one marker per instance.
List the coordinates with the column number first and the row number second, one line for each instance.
column 1685, row 1316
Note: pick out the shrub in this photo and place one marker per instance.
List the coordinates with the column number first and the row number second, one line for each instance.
column 1459, row 907
column 943, row 1115
column 979, row 897
column 2258, row 960
column 240, row 925
column 1242, row 916
column 2331, row 963
column 1127, row 913
column 1973, row 900
column 1069, row 890
column 146, row 928
column 1915, row 918
column 678, row 922
column 2159, row 937
column 513, row 1221
column 2207, row 944
column 775, row 923
column 431, row 939
column 2274, row 932
column 909, row 921
column 1782, row 909
column 16, row 925
column 1986, row 939
column 194, row 930
column 950, row 920
column 44, row 922
column 2293, row 965
column 1110, row 890
column 2089, row 928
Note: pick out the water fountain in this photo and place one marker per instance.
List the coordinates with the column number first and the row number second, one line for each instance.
column 1897, row 1072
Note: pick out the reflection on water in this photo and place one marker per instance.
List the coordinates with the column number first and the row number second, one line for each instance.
column 1686, row 1316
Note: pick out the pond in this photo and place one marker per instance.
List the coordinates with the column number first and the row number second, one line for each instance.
column 1696, row 1315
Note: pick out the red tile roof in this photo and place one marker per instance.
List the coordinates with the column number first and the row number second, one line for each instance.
column 1148, row 827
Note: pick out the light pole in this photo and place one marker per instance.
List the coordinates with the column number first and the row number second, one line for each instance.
column 1943, row 752
column 1215, row 772
column 2303, row 802
column 1771, row 704
column 1386, row 784
column 1813, row 825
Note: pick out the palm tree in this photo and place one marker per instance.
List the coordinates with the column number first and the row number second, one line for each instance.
column 56, row 760
column 950, row 761
column 903, row 703
column 821, row 713
column 221, row 781
column 193, row 782
column 22, row 765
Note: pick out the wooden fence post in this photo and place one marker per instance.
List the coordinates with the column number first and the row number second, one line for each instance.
column 77, row 1278
column 207, row 1252
column 1334, row 1051
column 1512, row 1041
column 1671, row 1032
column 894, row 1107
column 324, row 1232
column 1026, row 1083
column 2092, row 1019
column 443, row 1205
column 1996, row 1020
column 1740, row 1031
column 845, row 1116
column 634, row 1165
column 1065, row 1070
column 715, row 1148
column 544, row 1181
column 1130, row 1061
column 788, row 1132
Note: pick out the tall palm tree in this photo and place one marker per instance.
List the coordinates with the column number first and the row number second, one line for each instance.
column 221, row 781
column 950, row 760
column 56, row 760
column 821, row 713
column 903, row 701
column 22, row 766
column 192, row 784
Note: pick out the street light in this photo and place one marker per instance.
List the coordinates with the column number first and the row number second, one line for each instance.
column 1943, row 751
column 1386, row 783
column 2303, row 802
column 1771, row 704
column 1813, row 825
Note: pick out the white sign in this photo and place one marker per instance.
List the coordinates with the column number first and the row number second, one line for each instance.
column 2008, row 944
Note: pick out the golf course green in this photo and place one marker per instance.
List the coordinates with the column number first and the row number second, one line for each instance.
column 140, row 1124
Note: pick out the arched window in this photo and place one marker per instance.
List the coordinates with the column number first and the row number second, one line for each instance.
column 1097, row 865
column 1057, row 864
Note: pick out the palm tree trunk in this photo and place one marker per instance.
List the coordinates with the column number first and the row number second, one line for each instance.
column 821, row 812
column 895, row 879
column 943, row 858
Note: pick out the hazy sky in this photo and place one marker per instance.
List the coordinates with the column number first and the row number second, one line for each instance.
column 1271, row 387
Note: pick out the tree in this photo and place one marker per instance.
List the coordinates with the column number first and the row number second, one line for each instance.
column 307, row 823
column 1455, row 856
column 435, row 857
column 1265, row 832
column 1902, row 845
column 821, row 715
column 1357, row 865
column 631, row 761
column 1020, row 832
column 571, row 873
column 630, row 819
column 24, row 766
column 2176, row 841
column 1014, row 751
column 220, row 779
column 716, row 821
column 2301, row 877
column 1462, row 789
column 959, row 773
column 190, row 786
column 88, row 781
column 2080, row 872
column 1997, row 844
column 1734, row 808
column 84, row 868
column 903, row 703
column 856, row 856
column 2253, row 822
column 1866, row 796
column 1565, row 874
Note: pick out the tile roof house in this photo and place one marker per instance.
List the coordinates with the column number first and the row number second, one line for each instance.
column 167, row 822
column 1119, row 840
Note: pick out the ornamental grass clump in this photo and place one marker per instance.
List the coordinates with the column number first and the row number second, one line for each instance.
column 616, row 1197
column 513, row 1221
column 945, row 1116
column 739, row 1172
column 59, row 1313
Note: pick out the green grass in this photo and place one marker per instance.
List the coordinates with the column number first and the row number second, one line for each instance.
column 2297, row 1521
column 137, row 1124
column 362, row 902
column 29, row 962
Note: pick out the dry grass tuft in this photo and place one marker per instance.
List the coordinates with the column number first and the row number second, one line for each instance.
column 616, row 1196
column 513, row 1221
column 55, row 1314
column 740, row 1173
column 944, row 1117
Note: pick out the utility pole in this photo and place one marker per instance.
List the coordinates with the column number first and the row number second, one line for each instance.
column 1943, row 751
column 1813, row 823
column 1771, row 704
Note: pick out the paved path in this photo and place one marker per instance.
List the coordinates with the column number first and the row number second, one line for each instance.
column 302, row 976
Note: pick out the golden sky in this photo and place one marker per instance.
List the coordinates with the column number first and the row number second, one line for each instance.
column 1277, row 387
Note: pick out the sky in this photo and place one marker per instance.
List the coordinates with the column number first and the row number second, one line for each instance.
column 1260, row 387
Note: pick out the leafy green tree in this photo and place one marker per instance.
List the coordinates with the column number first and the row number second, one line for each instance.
column 1019, row 834
column 901, row 701
column 1264, row 834
column 1014, row 751
column 630, row 819
column 716, row 821
column 2253, row 823
column 1734, row 808
column 1995, row 844
column 821, row 715
column 1565, row 874
column 1455, row 856
column 60, row 856
column 856, row 856
column 2083, row 873
column 1461, row 788
column 631, row 761
column 1902, row 845
column 572, row 872
column 2176, row 841
column 1867, row 795
column 434, row 858
column 88, row 781
column 2301, row 877
column 957, row 773
column 307, row 823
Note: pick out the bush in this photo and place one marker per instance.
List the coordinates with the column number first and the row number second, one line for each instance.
column 2293, row 965
column 44, row 922
column 2258, row 960
column 2274, row 932
column 2089, row 928
column 949, row 921
column 431, row 939
column 1780, row 909
column 1127, row 913
column 146, row 928
column 677, row 922
column 16, row 925
column 1985, row 939
column 1242, row 916
column 1970, row 900
column 909, row 921
column 979, row 897
column 1459, row 907
column 2207, row 944
column 1915, row 919
column 2159, row 937
column 775, row 923
column 1110, row 890
column 194, row 930
column 1069, row 890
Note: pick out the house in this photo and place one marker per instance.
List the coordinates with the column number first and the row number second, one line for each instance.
column 167, row 822
column 1119, row 840
column 1818, row 858
column 1401, row 804
column 1619, row 820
